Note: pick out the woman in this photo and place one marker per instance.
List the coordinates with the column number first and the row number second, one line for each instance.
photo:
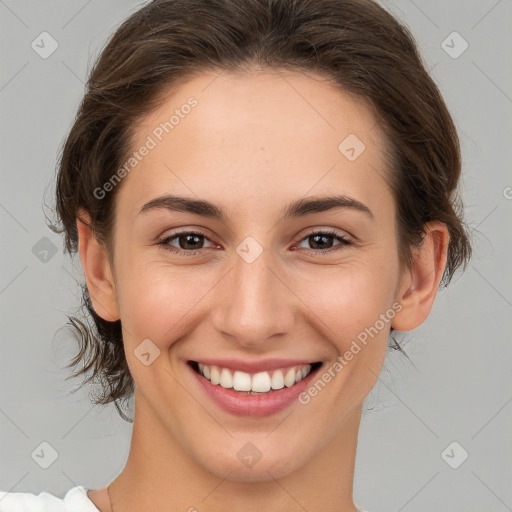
column 260, row 193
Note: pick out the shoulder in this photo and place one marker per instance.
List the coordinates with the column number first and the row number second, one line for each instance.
column 75, row 500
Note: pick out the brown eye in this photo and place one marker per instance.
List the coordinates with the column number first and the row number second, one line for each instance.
column 322, row 241
column 189, row 242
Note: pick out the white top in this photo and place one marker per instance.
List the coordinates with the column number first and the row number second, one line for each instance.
column 75, row 500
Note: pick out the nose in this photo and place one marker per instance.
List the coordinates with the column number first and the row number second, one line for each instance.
column 256, row 302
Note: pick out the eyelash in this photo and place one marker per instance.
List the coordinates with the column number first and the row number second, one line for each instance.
column 183, row 252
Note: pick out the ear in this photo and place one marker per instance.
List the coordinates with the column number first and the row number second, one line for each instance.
column 419, row 285
column 98, row 274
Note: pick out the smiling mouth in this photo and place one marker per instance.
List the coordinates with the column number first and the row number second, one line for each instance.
column 259, row 383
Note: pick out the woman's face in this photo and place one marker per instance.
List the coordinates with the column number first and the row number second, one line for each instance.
column 255, row 289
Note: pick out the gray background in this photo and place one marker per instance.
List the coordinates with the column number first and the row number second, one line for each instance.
column 459, row 388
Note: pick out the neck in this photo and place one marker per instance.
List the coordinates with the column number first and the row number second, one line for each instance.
column 161, row 475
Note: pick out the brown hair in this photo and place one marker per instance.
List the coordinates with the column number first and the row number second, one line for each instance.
column 355, row 43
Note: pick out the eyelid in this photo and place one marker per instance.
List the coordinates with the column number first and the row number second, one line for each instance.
column 344, row 241
column 181, row 232
column 192, row 230
column 327, row 231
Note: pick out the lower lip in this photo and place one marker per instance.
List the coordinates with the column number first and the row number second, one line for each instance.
column 253, row 405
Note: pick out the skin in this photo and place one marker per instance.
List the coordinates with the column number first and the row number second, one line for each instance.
column 254, row 143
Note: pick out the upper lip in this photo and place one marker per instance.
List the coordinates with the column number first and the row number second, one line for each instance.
column 256, row 366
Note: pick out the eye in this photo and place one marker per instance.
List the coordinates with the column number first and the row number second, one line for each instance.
column 320, row 241
column 190, row 243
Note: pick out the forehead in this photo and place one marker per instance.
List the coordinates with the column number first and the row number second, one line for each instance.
column 259, row 134
column 263, row 102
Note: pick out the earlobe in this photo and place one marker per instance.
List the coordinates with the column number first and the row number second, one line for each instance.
column 98, row 273
column 420, row 284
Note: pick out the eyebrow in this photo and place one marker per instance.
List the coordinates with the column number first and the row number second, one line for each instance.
column 305, row 206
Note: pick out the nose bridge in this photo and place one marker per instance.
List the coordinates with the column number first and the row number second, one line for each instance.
column 256, row 303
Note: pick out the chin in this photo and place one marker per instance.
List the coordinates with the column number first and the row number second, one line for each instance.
column 263, row 470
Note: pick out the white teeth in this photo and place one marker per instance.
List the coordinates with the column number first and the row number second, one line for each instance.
column 226, row 378
column 277, row 380
column 289, row 378
column 261, row 382
column 214, row 375
column 241, row 381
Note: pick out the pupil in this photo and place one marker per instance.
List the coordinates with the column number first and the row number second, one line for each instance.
column 187, row 237
column 316, row 237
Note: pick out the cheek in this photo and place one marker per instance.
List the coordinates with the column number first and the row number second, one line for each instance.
column 350, row 297
column 155, row 301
